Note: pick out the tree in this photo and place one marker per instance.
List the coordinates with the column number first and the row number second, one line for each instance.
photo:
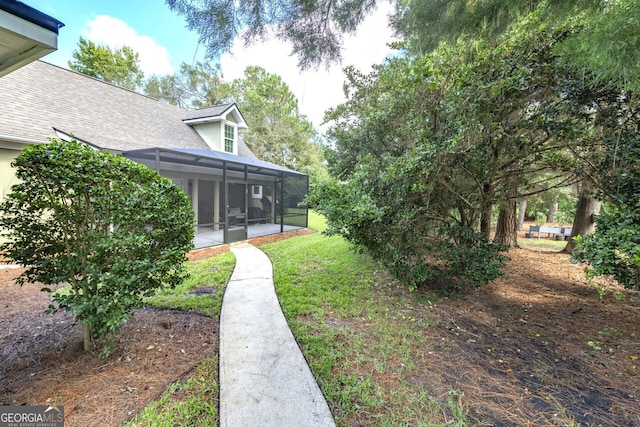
column 195, row 86
column 426, row 146
column 120, row 67
column 404, row 188
column 278, row 132
column 425, row 24
column 314, row 28
column 112, row 230
column 614, row 247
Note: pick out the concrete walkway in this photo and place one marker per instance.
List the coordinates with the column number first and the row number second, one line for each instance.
column 264, row 379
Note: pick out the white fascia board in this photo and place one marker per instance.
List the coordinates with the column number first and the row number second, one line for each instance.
column 203, row 120
column 26, row 42
column 29, row 30
column 13, row 142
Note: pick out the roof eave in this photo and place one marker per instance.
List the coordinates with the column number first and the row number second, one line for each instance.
column 233, row 109
column 26, row 34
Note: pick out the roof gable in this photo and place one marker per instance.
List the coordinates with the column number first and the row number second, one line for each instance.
column 216, row 113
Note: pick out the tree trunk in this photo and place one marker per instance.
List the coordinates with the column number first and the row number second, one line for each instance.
column 485, row 221
column 86, row 330
column 521, row 211
column 553, row 208
column 485, row 216
column 506, row 233
column 584, row 221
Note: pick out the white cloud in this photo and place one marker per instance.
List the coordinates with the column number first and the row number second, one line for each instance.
column 316, row 90
column 115, row 33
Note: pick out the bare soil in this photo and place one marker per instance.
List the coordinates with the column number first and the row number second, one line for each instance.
column 536, row 348
column 540, row 348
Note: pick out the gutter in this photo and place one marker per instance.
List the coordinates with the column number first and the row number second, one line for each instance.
column 26, row 12
column 21, row 140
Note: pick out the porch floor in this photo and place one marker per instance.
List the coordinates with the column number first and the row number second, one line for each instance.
column 206, row 236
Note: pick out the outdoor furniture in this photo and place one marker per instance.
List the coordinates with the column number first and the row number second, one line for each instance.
column 556, row 231
column 235, row 216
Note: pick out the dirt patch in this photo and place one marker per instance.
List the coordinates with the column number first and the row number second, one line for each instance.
column 257, row 241
column 540, row 348
column 536, row 348
column 43, row 362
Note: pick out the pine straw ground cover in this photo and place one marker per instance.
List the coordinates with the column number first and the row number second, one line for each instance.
column 536, row 348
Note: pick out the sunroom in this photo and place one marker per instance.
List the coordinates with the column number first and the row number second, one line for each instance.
column 234, row 198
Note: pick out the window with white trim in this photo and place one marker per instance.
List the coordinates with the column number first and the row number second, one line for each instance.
column 229, row 138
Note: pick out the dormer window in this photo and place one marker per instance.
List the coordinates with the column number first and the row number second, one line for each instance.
column 219, row 126
column 229, row 138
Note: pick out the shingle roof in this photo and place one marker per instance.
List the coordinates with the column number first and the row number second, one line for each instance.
column 39, row 97
column 214, row 111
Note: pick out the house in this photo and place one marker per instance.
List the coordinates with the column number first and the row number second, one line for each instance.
column 234, row 195
column 26, row 34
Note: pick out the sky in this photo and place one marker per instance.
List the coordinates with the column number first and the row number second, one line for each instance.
column 163, row 43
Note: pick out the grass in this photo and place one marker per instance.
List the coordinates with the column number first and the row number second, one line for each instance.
column 188, row 403
column 542, row 244
column 191, row 402
column 358, row 329
column 203, row 289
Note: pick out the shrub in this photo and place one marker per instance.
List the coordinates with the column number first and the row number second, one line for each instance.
column 111, row 229
column 614, row 248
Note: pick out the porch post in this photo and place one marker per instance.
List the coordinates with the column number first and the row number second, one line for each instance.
column 274, row 196
column 225, row 201
column 216, row 205
column 281, row 202
column 246, row 198
column 194, row 201
column 158, row 161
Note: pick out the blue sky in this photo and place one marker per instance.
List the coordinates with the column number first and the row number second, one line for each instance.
column 163, row 43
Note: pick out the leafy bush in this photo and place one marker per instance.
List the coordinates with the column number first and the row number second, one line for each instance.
column 401, row 237
column 113, row 230
column 614, row 248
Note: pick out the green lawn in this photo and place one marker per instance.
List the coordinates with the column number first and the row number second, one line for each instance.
column 542, row 244
column 355, row 326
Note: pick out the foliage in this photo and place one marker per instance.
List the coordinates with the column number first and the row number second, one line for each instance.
column 278, row 132
column 608, row 45
column 111, row 229
column 425, row 24
column 119, row 67
column 541, row 218
column 614, row 248
column 196, row 86
column 403, row 238
column 314, row 28
column 425, row 143
column 565, row 196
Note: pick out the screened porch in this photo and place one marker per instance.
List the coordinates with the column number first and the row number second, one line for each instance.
column 234, row 198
